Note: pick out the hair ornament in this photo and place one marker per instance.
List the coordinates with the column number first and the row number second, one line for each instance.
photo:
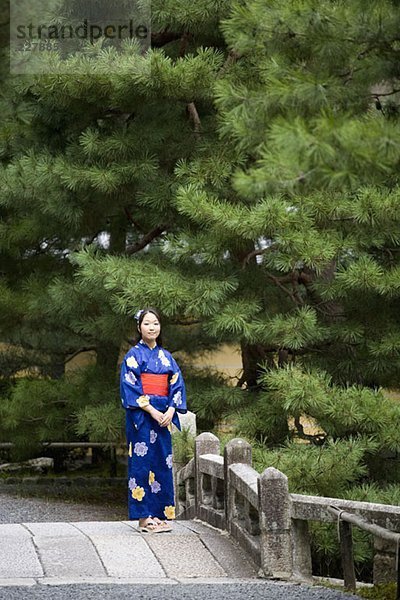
column 139, row 314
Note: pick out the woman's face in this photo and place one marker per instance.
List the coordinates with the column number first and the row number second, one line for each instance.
column 150, row 328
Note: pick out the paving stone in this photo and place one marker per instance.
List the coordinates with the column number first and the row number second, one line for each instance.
column 202, row 528
column 56, row 530
column 15, row 531
column 179, row 528
column 126, row 556
column 184, row 556
column 4, row 582
column 134, row 525
column 223, row 581
column 72, row 556
column 105, row 528
column 55, row 581
column 231, row 557
column 221, row 544
column 18, row 558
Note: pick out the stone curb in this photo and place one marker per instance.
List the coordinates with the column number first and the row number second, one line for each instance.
column 56, row 581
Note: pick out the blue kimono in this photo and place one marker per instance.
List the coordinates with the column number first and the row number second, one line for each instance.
column 150, row 478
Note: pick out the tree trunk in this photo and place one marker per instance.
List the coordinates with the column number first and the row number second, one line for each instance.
column 107, row 355
column 252, row 356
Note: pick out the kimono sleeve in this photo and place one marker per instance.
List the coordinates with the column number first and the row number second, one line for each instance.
column 177, row 390
column 130, row 384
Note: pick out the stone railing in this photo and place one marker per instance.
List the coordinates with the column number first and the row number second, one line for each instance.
column 269, row 522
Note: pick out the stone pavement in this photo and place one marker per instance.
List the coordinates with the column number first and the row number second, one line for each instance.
column 116, row 552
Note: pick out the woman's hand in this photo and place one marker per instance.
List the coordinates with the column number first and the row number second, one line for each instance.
column 157, row 415
column 167, row 417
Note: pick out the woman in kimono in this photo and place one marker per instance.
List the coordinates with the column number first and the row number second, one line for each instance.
column 152, row 392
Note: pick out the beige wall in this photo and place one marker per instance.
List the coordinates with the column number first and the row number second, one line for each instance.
column 226, row 360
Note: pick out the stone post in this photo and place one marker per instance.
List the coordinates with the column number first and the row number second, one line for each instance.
column 275, row 524
column 235, row 451
column 187, row 421
column 302, row 564
column 384, row 561
column 205, row 443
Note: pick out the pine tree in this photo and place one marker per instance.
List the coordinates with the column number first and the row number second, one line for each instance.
column 291, row 201
column 313, row 105
column 290, row 240
column 305, row 223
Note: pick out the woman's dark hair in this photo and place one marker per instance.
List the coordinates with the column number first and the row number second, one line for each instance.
column 148, row 309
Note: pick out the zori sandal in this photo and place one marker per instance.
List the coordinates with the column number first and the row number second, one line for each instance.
column 149, row 527
column 153, row 526
column 163, row 525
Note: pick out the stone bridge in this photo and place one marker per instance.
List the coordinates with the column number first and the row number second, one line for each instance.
column 271, row 524
column 234, row 526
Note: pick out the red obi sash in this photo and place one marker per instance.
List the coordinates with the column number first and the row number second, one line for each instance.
column 156, row 384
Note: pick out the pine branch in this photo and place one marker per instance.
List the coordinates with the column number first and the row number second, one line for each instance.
column 377, row 46
column 295, row 284
column 301, row 178
column 146, row 239
column 394, row 91
column 252, row 254
column 184, row 43
column 86, row 349
column 91, row 240
column 306, row 278
column 194, row 115
column 187, row 322
column 233, row 56
column 132, row 220
column 317, row 439
column 348, row 76
column 191, row 107
column 279, row 281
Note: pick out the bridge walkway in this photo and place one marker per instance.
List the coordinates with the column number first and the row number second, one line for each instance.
column 107, row 552
column 83, row 556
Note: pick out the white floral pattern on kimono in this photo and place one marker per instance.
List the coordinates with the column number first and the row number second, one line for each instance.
column 177, row 399
column 164, row 360
column 131, row 362
column 130, row 377
column 140, row 448
column 132, row 483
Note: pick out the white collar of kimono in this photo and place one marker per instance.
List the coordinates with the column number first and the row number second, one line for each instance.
column 144, row 344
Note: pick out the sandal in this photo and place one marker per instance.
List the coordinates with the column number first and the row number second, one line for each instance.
column 153, row 527
column 149, row 527
column 164, row 525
